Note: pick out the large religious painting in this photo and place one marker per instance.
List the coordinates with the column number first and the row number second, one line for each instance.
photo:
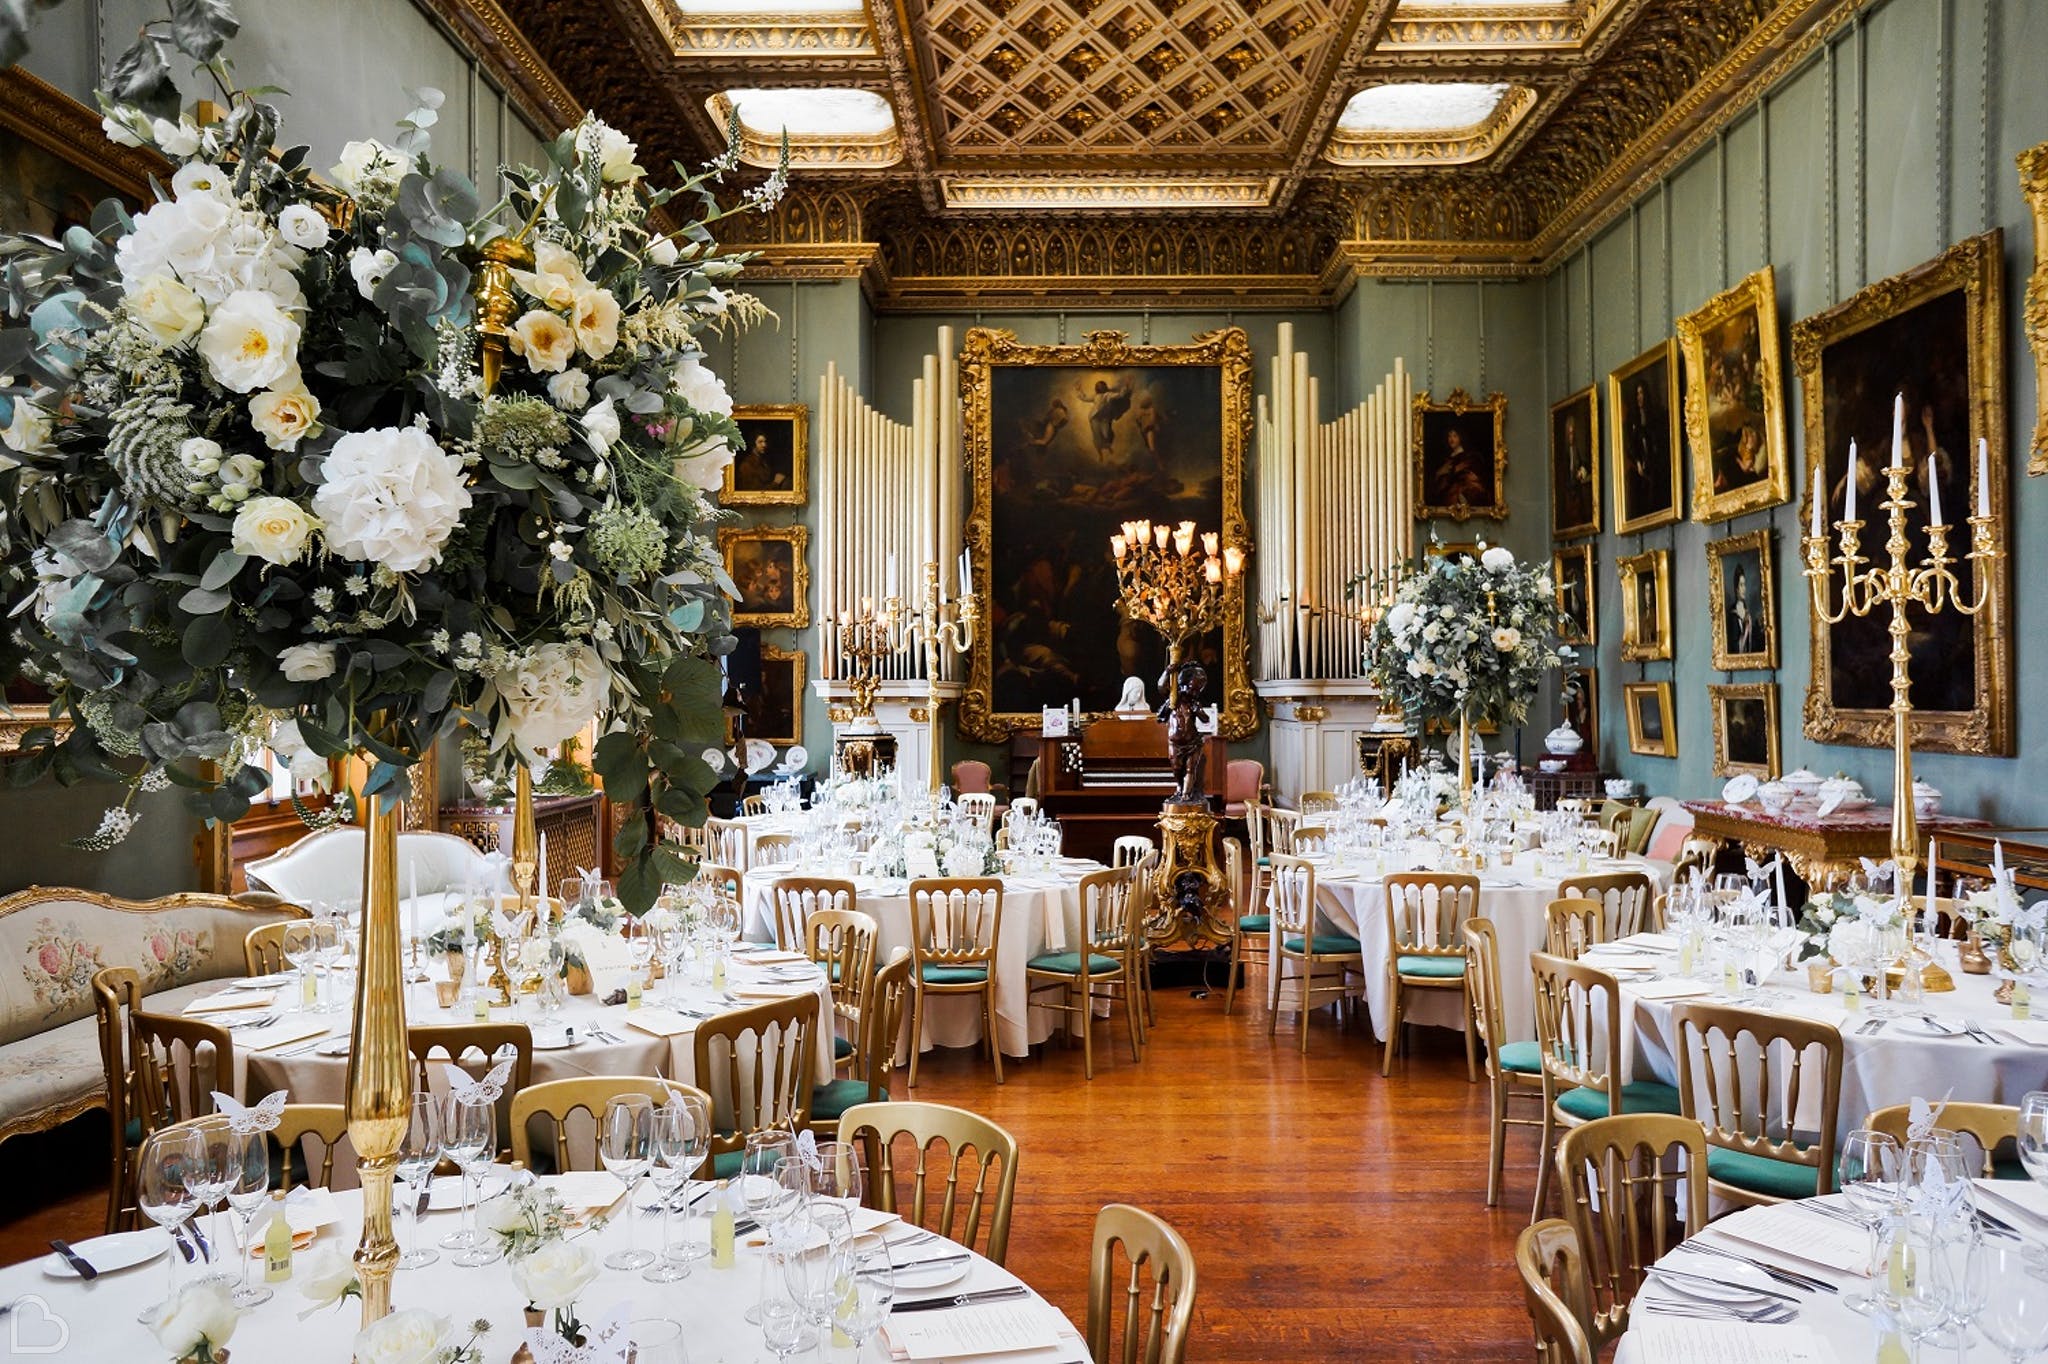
column 1643, row 451
column 1745, row 729
column 1575, row 465
column 1735, row 401
column 1064, row 444
column 772, row 466
column 1743, row 602
column 1461, row 457
column 1933, row 335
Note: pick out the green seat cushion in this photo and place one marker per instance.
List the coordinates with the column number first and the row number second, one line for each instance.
column 1333, row 944
column 1255, row 923
column 1436, row 968
column 1760, row 1174
column 1069, row 963
column 842, row 1047
column 938, row 973
column 831, row 1100
column 1525, row 1058
column 1265, row 861
column 1637, row 1096
column 2009, row 1169
column 726, row 1164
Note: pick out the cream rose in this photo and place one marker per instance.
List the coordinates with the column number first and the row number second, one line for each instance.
column 662, row 251
column 273, row 529
column 283, row 415
column 307, row 662
column 570, row 389
column 328, row 1277
column 595, row 319
column 552, row 691
column 408, row 1336
column 199, row 177
column 391, row 496
column 615, row 156
column 1506, row 638
column 557, row 276
column 554, row 1275
column 360, row 159
column 249, row 342
column 202, row 1313
column 700, row 388
column 703, row 464
column 166, row 309
column 302, row 225
column 545, row 340
column 601, row 426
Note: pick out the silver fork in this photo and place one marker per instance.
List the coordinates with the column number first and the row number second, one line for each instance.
column 1705, row 1311
column 262, row 1022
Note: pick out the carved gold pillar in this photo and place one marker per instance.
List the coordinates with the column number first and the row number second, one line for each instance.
column 379, row 1066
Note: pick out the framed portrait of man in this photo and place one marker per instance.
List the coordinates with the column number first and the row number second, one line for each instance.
column 1651, row 730
column 1745, row 728
column 768, row 565
column 1579, row 698
column 1461, row 457
column 1575, row 465
column 1571, row 573
column 1646, row 606
column 1645, row 441
column 1742, row 594
column 1735, row 401
column 771, row 467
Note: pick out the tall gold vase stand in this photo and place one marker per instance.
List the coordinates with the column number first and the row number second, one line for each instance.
column 379, row 1066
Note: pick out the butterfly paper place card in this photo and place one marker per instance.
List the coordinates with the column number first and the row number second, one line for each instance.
column 480, row 1089
column 261, row 1116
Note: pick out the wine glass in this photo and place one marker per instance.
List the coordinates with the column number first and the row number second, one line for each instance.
column 417, row 1156
column 784, row 1329
column 2014, row 1317
column 2033, row 1137
column 1869, row 1169
column 818, row 1276
column 639, row 948
column 209, row 1178
column 766, row 1199
column 468, row 1136
column 864, row 1306
column 161, row 1191
column 626, row 1148
column 249, row 1163
column 657, row 1340
column 1916, row 1281
column 840, row 1172
column 681, row 1140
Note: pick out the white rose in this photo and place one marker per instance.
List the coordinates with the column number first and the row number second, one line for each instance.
column 391, row 497
column 615, row 153
column 308, row 766
column 241, row 471
column 554, row 1275
column 249, row 342
column 662, row 251
column 501, row 1215
column 557, row 276
column 369, row 269
column 200, row 177
column 1497, row 560
column 302, row 225
column 273, row 529
column 601, row 426
column 409, row 1336
column 1400, row 618
column 324, row 1278
column 307, row 662
column 1506, row 638
column 284, row 414
column 171, row 313
column 570, row 389
column 200, row 456
column 715, row 303
column 703, row 465
column 358, row 159
column 28, row 430
column 700, row 388
column 552, row 691
column 285, row 739
column 200, row 1313
column 176, row 139
column 595, row 320
column 119, row 133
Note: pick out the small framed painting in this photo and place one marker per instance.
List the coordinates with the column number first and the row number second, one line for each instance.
column 1571, row 573
column 1739, row 584
column 775, row 711
column 1745, row 729
column 1645, row 440
column 770, row 572
column 1651, row 730
column 1575, row 465
column 1461, row 457
column 1580, row 697
column 1735, row 401
column 772, row 466
column 1646, row 606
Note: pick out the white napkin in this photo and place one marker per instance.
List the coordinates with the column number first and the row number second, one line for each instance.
column 1682, row 1340
column 229, row 1000
column 281, row 1034
column 1671, row 989
column 659, row 1022
column 2022, row 1197
column 593, row 1190
column 304, row 1210
column 1824, row 1241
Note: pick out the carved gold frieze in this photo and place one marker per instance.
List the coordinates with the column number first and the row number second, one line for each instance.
column 1117, row 194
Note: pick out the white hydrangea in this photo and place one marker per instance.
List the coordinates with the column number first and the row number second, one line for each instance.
column 391, row 496
column 700, row 388
column 552, row 691
column 214, row 246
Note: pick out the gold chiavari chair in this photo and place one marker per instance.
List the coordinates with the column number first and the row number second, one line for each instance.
column 1991, row 1126
column 881, row 1027
column 1742, row 1075
column 753, row 805
column 1252, row 934
column 1571, row 925
column 686, row 837
column 179, row 1063
column 1627, row 900
column 1155, row 1322
column 720, row 877
column 772, row 850
column 1129, row 850
column 475, row 1048
column 763, row 1056
column 1316, row 803
column 263, row 949
column 1024, row 805
column 1105, row 968
column 1307, row 941
column 116, row 991
column 1555, row 1290
column 554, row 1102
column 797, row 898
column 298, row 1126
column 1619, row 1190
column 1268, row 830
column 842, row 942
column 1514, row 1070
column 1310, row 839
column 725, row 842
column 1155, row 925
column 955, row 923
column 981, row 805
column 946, row 1143
column 1426, row 912
column 1578, row 1032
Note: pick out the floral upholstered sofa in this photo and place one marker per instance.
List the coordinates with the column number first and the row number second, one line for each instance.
column 53, row 939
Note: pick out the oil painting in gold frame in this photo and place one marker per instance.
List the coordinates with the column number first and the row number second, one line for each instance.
column 1645, row 606
column 2033, row 163
column 1575, row 465
column 776, row 710
column 1646, row 442
column 1745, row 728
column 1571, row 575
column 772, row 468
column 1461, row 457
column 770, row 567
column 1735, row 401
column 1743, row 601
column 1652, row 730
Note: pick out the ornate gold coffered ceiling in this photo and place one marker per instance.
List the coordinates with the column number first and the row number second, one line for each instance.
column 1182, row 151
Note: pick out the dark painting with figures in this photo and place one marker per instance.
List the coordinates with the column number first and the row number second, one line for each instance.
column 1642, row 400
column 1571, row 572
column 1074, row 453
column 1460, row 458
column 1575, row 466
column 775, row 706
column 1748, row 730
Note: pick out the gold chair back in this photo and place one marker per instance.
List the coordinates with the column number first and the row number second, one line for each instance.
column 753, row 805
column 1310, row 839
column 1634, row 831
column 682, row 835
column 1618, row 1180
column 1572, row 925
column 955, row 920
column 720, row 877
column 725, row 842
column 1316, row 802
column 1129, row 850
column 555, row 1102
column 1155, row 1317
column 456, row 1041
column 1627, row 900
column 1555, row 1290
column 1109, row 909
column 1578, row 1026
column 1271, row 830
column 1482, row 976
column 981, row 805
column 179, row 1062
column 1234, row 886
column 772, row 850
column 946, row 1143
column 881, row 1024
column 117, row 992
column 263, row 949
column 1989, row 1125
column 1426, row 911
column 1742, row 1075
column 796, row 898
column 842, row 941
column 759, row 1059
column 297, row 1127
column 1292, row 896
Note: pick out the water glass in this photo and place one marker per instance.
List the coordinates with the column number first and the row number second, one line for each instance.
column 162, row 1192
column 1869, row 1170
column 249, row 1163
column 2014, row 1317
column 209, row 1178
column 417, row 1155
column 682, row 1139
column 657, row 1340
column 784, row 1329
column 468, row 1137
column 626, row 1148
column 863, row 1308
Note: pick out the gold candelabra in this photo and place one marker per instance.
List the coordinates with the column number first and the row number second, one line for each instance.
column 865, row 638
column 1932, row 586
column 1165, row 582
column 941, row 625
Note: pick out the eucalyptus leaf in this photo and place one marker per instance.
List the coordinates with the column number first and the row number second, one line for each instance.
column 202, row 27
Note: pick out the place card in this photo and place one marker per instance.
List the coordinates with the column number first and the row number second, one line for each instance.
column 660, row 1022
column 588, row 1190
column 970, row 1332
column 281, row 1034
column 1671, row 989
column 306, row 1210
column 1683, row 1340
column 230, row 1000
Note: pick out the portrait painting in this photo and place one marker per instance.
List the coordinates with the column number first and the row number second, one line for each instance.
column 771, row 467
column 1461, row 457
column 1735, row 401
column 1646, row 606
column 1745, row 729
column 1571, row 573
column 1931, row 337
column 1064, row 445
column 1742, row 597
column 770, row 574
column 1575, row 465
column 775, row 706
column 1651, row 730
column 1579, row 699
column 1644, row 440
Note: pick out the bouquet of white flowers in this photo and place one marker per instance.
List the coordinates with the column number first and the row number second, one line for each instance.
column 1466, row 638
column 195, row 1324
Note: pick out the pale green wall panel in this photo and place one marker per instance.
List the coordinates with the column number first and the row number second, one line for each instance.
column 1742, row 189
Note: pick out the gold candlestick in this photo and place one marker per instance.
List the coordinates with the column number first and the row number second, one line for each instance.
column 379, row 1066
column 941, row 625
column 1168, row 581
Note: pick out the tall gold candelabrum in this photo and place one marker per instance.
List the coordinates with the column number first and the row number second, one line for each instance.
column 1168, row 581
column 1898, row 583
column 865, row 638
column 939, row 625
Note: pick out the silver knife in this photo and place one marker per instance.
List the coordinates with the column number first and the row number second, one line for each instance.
column 962, row 1299
column 184, row 1246
column 78, row 1263
column 199, row 1238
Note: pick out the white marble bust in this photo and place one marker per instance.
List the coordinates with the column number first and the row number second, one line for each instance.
column 1133, row 701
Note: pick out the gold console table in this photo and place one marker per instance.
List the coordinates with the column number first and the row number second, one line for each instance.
column 1817, row 846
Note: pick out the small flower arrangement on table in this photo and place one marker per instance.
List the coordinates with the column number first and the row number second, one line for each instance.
column 416, row 1336
column 195, row 1323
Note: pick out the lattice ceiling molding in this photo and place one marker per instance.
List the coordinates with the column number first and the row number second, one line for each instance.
column 1113, row 194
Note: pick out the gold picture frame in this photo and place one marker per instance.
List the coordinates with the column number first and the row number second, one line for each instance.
column 791, row 662
column 1571, row 572
column 1579, row 705
column 1575, row 463
column 1446, row 477
column 1745, row 728
column 1905, row 335
column 1645, row 592
column 1744, row 611
column 772, row 468
column 774, row 584
column 1646, row 441
column 1105, row 362
column 2033, row 163
column 1735, row 401
column 1652, row 738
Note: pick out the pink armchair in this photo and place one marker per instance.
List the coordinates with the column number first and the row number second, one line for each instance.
column 1242, row 778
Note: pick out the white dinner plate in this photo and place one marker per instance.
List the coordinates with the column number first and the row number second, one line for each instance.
column 333, row 1046
column 260, row 982
column 554, row 1041
column 920, row 1277
column 122, row 1250
column 1919, row 1028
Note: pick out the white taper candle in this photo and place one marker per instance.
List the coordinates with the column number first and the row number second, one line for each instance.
column 1849, row 498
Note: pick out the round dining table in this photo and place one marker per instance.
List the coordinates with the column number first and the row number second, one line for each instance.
column 56, row 1315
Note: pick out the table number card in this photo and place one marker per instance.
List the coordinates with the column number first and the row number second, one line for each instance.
column 1052, row 722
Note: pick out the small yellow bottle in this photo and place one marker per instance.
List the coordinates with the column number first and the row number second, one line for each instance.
column 722, row 1233
column 718, row 970
column 633, row 989
column 309, row 990
column 277, row 1242
column 2022, row 1002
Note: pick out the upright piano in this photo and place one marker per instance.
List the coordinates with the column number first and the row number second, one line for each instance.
column 1111, row 779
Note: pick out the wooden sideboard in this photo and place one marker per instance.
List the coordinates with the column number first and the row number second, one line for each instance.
column 1816, row 846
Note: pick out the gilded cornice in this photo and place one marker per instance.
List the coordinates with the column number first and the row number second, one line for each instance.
column 36, row 111
column 492, row 37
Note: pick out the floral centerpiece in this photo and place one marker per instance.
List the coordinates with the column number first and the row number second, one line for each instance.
column 195, row 1323
column 1852, row 928
column 1466, row 640
column 954, row 847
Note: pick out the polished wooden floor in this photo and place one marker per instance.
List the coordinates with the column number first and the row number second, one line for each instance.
column 1333, row 1215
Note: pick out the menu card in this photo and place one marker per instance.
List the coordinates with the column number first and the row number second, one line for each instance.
column 984, row 1329
column 1682, row 1340
column 231, row 999
column 281, row 1034
column 592, row 1190
column 660, row 1022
